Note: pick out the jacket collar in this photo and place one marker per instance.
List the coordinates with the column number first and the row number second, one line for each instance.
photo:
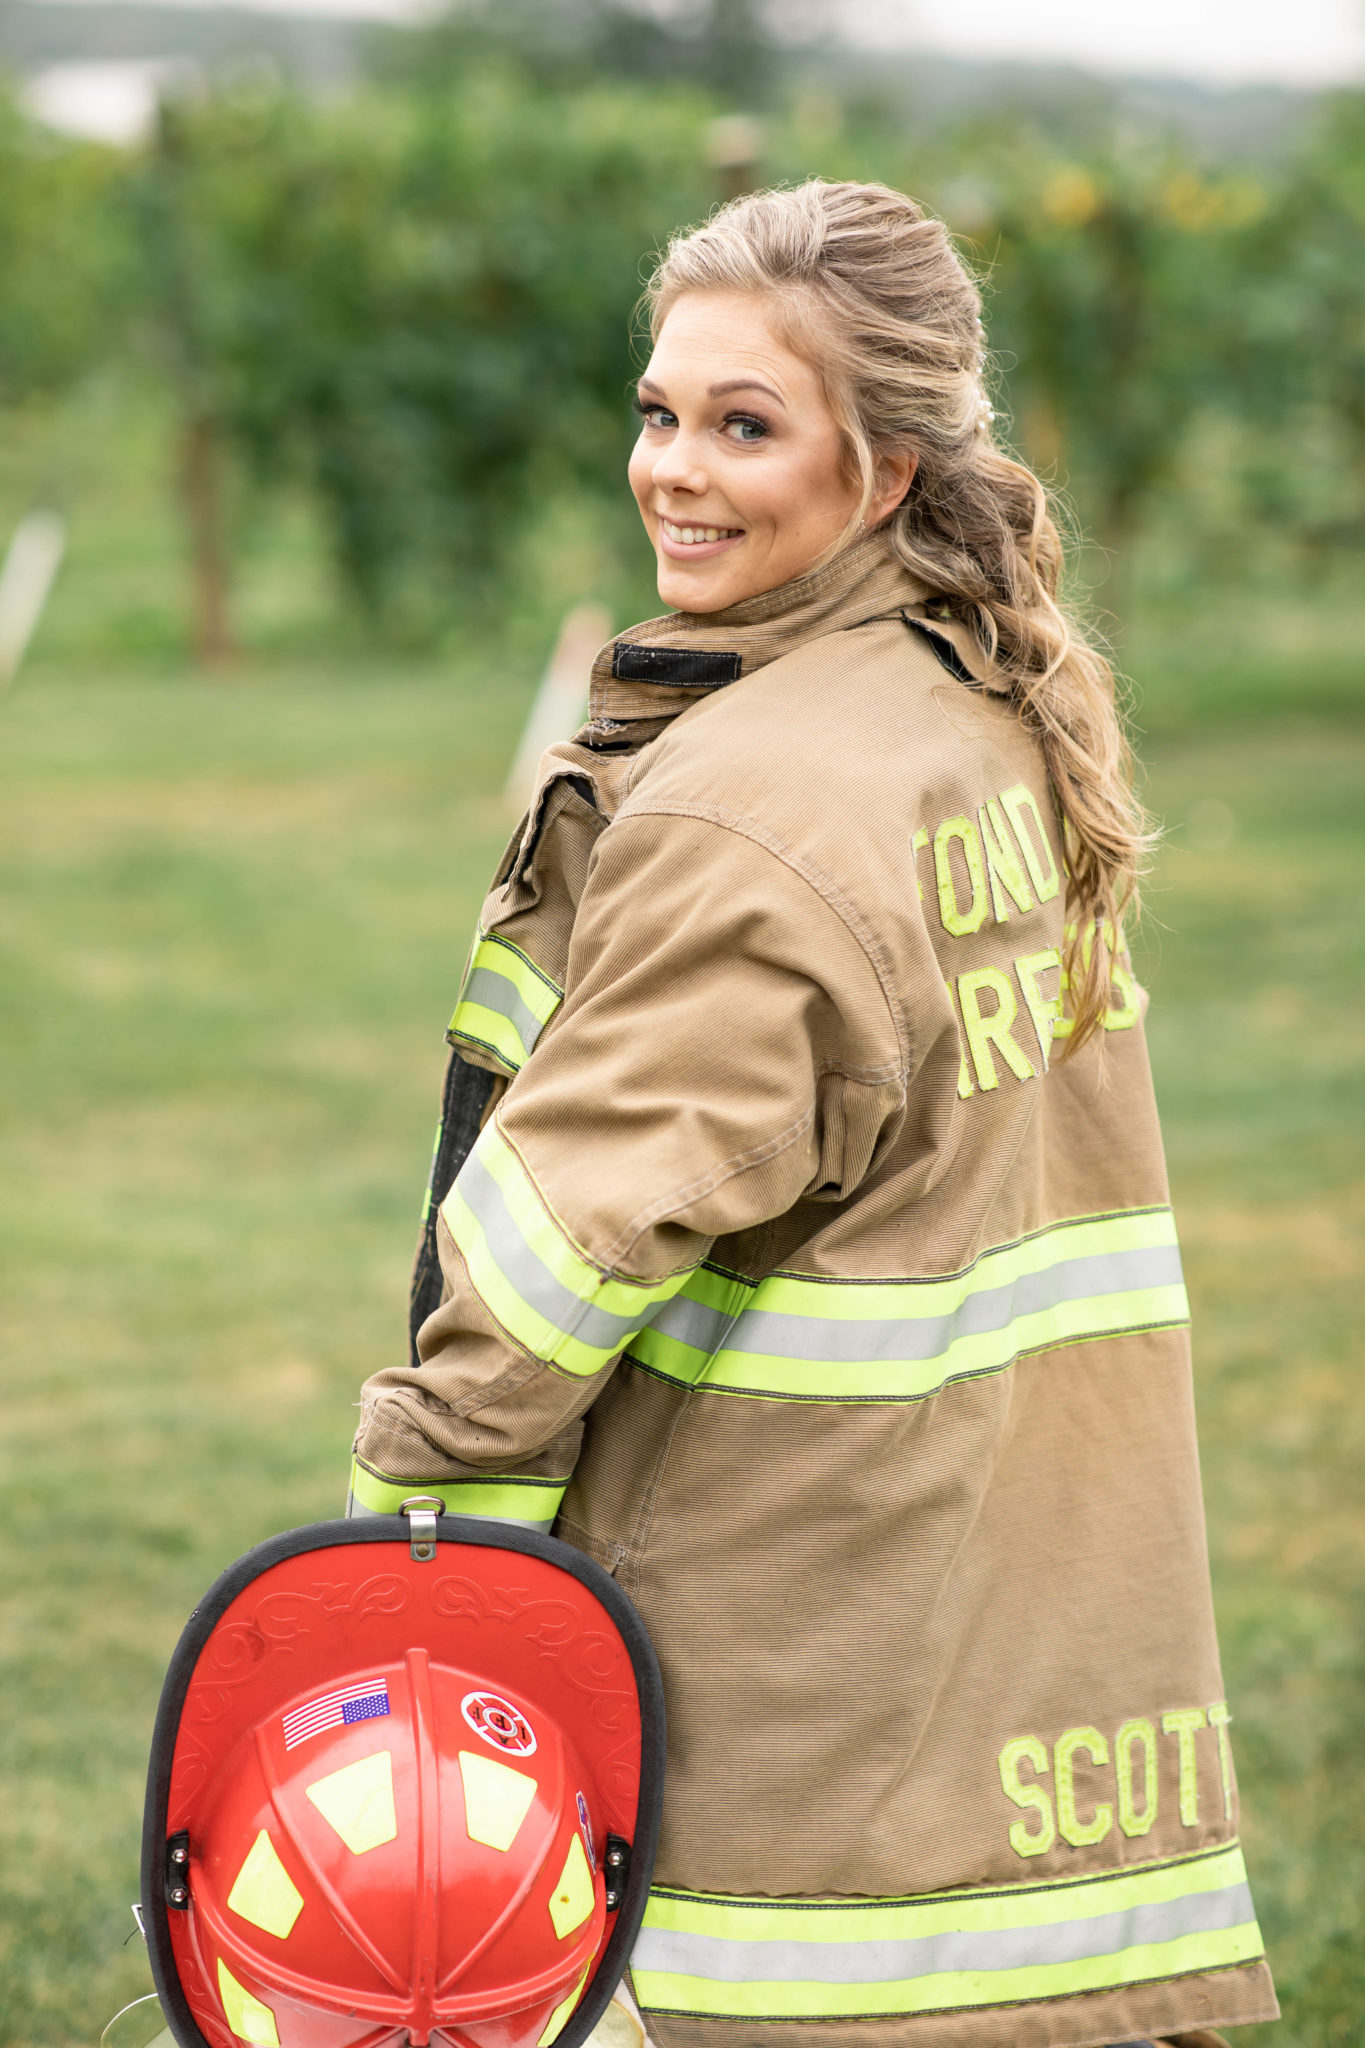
column 658, row 668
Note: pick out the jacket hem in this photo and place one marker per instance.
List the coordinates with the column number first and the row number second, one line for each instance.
column 1161, row 2009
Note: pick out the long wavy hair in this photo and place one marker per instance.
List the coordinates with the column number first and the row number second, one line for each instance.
column 869, row 289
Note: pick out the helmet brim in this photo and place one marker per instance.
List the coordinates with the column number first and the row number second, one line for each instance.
column 452, row 1531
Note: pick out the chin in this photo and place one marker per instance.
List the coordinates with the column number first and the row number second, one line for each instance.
column 694, row 591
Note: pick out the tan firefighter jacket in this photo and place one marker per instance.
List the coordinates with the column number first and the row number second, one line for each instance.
column 773, row 1261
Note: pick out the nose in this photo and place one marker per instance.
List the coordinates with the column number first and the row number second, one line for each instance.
column 678, row 467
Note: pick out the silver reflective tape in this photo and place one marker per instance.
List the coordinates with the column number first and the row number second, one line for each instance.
column 493, row 991
column 693, row 1322
column 768, row 1333
column 526, row 1272
column 671, row 1953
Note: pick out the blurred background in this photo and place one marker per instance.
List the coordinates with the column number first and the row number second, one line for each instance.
column 315, row 338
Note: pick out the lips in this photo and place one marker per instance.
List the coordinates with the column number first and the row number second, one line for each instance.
column 679, row 542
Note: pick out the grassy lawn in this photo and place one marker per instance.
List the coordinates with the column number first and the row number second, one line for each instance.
column 233, row 918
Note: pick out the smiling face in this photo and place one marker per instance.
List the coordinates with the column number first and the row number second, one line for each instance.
column 739, row 470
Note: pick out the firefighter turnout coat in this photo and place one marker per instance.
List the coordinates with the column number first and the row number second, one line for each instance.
column 773, row 1259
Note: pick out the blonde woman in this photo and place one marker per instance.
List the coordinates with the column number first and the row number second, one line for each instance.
column 799, row 1242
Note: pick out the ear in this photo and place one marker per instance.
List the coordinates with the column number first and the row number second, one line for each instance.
column 895, row 474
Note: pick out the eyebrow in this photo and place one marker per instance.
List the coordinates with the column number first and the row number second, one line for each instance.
column 724, row 390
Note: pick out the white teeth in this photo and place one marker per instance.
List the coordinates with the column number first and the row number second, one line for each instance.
column 692, row 536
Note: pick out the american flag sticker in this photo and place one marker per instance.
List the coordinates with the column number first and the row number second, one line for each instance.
column 341, row 1709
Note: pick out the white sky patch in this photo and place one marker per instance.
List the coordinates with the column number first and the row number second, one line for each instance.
column 1218, row 42
column 349, row 10
column 102, row 102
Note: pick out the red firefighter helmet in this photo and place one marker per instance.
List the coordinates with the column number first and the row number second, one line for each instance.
column 404, row 1788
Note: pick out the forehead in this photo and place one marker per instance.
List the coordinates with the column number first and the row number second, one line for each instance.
column 714, row 337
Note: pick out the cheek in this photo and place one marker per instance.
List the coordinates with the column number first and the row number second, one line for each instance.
column 824, row 489
column 640, row 471
column 806, row 493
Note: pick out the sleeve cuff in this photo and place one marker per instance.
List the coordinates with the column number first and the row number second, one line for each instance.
column 500, row 1497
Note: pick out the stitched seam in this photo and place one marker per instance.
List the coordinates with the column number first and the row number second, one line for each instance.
column 531, row 1359
column 679, row 2012
column 1009, row 1244
column 473, row 1475
column 825, row 888
column 705, row 1184
column 968, row 1376
column 858, row 1902
column 497, row 939
column 602, row 1266
column 633, row 1553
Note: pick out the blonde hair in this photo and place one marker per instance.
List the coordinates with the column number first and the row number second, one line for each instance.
column 870, row 290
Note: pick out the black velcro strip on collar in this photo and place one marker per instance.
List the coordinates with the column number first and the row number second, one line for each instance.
column 943, row 649
column 685, row 668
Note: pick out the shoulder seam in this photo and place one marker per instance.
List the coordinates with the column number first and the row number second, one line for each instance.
column 824, row 886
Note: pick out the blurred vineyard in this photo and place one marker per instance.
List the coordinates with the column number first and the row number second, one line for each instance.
column 332, row 395
column 410, row 307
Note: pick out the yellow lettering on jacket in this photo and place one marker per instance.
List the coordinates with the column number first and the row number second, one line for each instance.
column 1123, row 1015
column 1003, row 865
column 1131, row 1734
column 964, row 1072
column 1136, row 1777
column 1080, row 1833
column 919, row 839
column 1027, row 1749
column 1184, row 1723
column 1221, row 1719
column 1020, row 803
column 956, row 920
column 1120, row 1016
column 1044, row 1010
column 993, row 1027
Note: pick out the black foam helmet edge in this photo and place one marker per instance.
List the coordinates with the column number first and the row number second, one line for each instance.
column 466, row 1529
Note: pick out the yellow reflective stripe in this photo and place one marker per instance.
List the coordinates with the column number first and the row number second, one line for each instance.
column 501, row 1497
column 530, row 1274
column 758, row 1959
column 248, row 2019
column 497, row 1799
column 505, row 1002
column 559, row 2018
column 797, row 1338
column 264, row 1893
column 357, row 1802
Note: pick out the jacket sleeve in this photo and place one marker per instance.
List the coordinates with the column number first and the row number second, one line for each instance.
column 725, row 1047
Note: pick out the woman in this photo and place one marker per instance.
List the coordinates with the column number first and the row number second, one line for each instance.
column 798, row 1242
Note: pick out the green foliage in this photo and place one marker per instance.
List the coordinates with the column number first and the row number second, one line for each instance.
column 64, row 256
column 1113, row 288
column 416, row 302
column 724, row 46
column 422, row 304
column 1297, row 357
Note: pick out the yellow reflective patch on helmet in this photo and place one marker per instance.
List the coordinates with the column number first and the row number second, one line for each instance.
column 358, row 1802
column 264, row 1893
column 559, row 2018
column 497, row 1799
column 247, row 2017
column 572, row 1898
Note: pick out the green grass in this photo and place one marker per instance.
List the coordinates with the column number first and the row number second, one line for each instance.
column 233, row 916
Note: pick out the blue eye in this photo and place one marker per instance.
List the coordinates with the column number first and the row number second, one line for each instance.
column 747, row 427
column 655, row 415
